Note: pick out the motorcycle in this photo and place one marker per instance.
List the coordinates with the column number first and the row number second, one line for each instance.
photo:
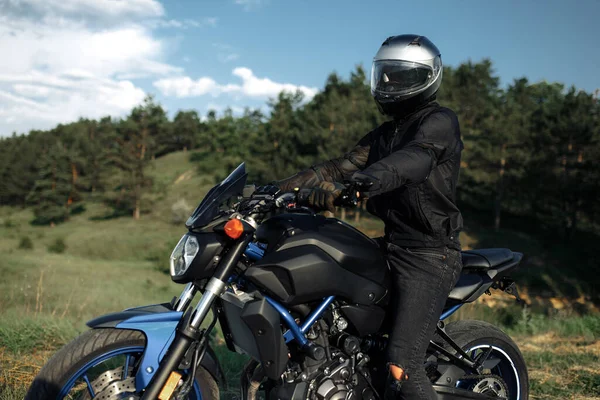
column 304, row 296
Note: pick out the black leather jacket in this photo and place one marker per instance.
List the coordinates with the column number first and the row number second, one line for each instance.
column 414, row 163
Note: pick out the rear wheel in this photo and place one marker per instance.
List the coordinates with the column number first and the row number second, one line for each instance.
column 507, row 376
column 102, row 364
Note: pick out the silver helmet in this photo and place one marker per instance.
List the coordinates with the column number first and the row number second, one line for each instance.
column 406, row 72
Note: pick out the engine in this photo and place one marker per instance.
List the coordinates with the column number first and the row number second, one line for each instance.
column 343, row 374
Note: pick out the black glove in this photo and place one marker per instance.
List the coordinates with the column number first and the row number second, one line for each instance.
column 323, row 197
column 365, row 182
column 303, row 179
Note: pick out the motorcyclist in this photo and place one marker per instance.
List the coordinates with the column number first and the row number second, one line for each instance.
column 411, row 164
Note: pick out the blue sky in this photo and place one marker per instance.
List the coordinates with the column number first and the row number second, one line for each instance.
column 72, row 58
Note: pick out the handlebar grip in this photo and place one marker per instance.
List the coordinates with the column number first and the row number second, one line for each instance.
column 349, row 197
column 302, row 196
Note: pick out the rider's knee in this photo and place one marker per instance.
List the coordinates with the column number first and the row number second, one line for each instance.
column 397, row 372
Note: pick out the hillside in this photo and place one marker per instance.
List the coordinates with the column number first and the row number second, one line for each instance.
column 48, row 291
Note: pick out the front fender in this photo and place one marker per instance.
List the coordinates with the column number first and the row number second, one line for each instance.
column 158, row 323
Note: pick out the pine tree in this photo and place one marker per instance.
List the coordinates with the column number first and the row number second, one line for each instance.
column 185, row 132
column 131, row 151
column 55, row 192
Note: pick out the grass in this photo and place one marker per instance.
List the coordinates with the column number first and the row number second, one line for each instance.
column 108, row 264
column 562, row 367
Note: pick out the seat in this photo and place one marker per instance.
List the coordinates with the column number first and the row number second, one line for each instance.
column 482, row 259
column 467, row 285
column 480, row 268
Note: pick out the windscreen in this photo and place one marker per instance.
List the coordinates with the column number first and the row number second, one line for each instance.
column 219, row 196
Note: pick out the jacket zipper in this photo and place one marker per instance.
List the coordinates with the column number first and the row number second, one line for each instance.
column 393, row 138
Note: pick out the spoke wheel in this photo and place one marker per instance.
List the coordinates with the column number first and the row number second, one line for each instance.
column 500, row 381
column 504, row 372
column 101, row 364
column 96, row 382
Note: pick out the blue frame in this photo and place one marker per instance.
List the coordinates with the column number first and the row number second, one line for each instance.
column 310, row 320
column 297, row 332
column 450, row 311
column 289, row 321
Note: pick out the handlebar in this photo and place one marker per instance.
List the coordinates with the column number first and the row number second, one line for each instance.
column 270, row 197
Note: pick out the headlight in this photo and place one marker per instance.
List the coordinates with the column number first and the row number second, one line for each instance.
column 184, row 254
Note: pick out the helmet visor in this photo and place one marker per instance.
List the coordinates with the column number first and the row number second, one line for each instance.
column 397, row 77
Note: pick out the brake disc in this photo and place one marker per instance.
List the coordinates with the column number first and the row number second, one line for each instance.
column 491, row 385
column 110, row 385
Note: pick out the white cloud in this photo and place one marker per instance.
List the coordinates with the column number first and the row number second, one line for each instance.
column 28, row 90
column 251, row 86
column 250, row 4
column 87, row 10
column 225, row 58
column 65, row 98
column 227, row 53
column 71, row 59
column 236, row 110
column 210, row 22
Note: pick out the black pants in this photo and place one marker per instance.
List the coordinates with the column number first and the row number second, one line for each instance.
column 422, row 279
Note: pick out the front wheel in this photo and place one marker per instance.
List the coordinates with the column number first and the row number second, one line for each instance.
column 508, row 377
column 102, row 364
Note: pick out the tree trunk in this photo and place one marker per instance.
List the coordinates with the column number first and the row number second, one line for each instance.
column 136, row 209
column 573, row 216
column 140, row 176
column 53, row 176
column 568, row 208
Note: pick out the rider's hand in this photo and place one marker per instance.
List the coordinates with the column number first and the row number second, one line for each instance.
column 366, row 182
column 324, row 196
column 303, row 179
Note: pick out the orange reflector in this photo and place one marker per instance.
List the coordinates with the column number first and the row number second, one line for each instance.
column 234, row 228
column 170, row 386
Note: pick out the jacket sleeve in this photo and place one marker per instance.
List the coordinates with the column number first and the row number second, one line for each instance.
column 335, row 170
column 341, row 168
column 435, row 141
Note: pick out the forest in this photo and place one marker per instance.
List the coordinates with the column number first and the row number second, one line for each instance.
column 531, row 149
column 90, row 211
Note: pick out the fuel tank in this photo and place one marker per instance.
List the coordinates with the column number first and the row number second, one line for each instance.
column 309, row 257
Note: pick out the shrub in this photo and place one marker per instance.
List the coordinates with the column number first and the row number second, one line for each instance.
column 180, row 211
column 160, row 255
column 58, row 246
column 26, row 243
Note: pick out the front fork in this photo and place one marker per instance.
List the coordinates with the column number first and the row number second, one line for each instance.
column 187, row 334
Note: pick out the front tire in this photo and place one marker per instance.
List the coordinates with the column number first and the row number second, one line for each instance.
column 473, row 336
column 90, row 350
